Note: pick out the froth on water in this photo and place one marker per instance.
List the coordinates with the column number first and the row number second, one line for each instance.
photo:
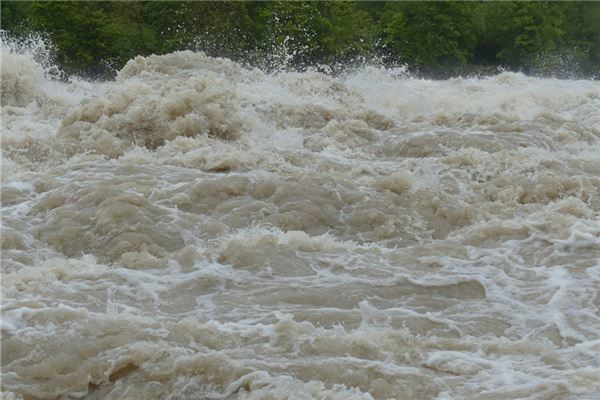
column 195, row 229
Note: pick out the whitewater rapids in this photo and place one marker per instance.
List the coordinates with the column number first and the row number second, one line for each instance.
column 200, row 230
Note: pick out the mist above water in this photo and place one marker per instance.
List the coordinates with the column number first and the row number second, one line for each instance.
column 196, row 229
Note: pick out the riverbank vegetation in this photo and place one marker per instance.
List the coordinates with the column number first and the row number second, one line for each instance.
column 437, row 39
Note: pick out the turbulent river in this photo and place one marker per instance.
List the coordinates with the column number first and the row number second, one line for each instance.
column 196, row 229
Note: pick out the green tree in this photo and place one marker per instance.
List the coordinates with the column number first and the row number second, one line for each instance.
column 431, row 36
column 345, row 32
column 529, row 30
column 434, row 38
column 91, row 38
column 14, row 16
column 219, row 28
column 582, row 38
column 288, row 33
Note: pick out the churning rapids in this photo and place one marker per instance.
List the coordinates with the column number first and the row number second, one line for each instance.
column 199, row 230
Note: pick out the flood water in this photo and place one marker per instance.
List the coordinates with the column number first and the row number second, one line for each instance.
column 195, row 229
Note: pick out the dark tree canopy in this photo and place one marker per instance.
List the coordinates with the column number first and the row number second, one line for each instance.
column 433, row 38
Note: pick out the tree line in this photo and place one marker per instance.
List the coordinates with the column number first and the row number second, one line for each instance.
column 437, row 39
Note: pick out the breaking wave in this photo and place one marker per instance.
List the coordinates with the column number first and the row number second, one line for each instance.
column 196, row 229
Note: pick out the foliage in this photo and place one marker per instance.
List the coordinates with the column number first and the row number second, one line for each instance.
column 434, row 38
column 429, row 35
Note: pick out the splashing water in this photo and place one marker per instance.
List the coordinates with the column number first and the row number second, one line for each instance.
column 196, row 229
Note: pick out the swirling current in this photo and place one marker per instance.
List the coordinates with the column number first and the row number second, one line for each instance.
column 196, row 229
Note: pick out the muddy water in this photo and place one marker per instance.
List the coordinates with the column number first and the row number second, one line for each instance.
column 198, row 230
